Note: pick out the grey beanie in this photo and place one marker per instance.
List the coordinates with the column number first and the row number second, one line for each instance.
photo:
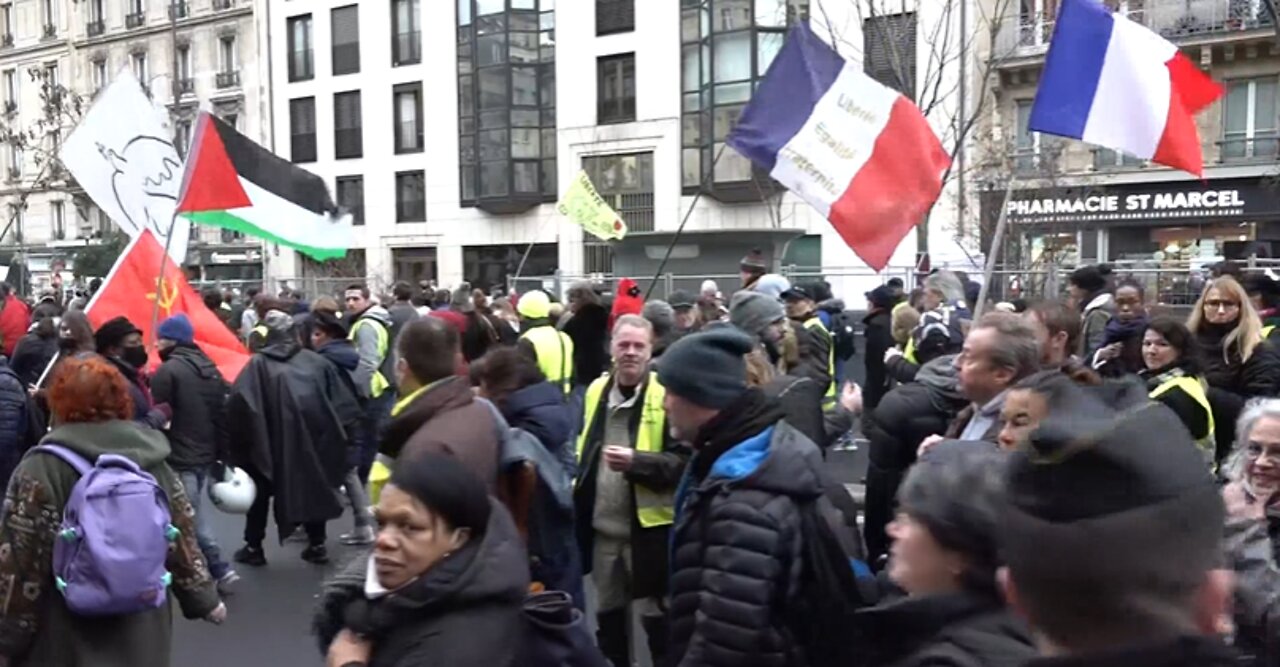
column 707, row 368
column 661, row 315
column 753, row 312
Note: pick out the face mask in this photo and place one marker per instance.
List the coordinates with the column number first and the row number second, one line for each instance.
column 135, row 356
column 166, row 353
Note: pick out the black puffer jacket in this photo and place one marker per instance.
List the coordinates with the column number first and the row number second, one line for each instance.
column 464, row 611
column 1256, row 377
column 736, row 547
column 905, row 416
column 33, row 356
column 961, row 629
column 196, row 392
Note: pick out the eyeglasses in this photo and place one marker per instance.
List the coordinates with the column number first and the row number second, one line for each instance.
column 1220, row 304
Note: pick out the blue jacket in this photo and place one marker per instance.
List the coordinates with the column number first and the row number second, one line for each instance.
column 13, row 421
column 540, row 409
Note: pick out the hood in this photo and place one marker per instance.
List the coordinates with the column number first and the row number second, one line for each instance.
column 1100, row 301
column 376, row 312
column 940, row 377
column 341, row 353
column 281, row 351
column 147, row 447
column 540, row 409
column 778, row 459
column 832, row 306
column 198, row 360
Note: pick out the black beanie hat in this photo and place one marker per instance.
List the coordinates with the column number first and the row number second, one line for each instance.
column 1089, row 278
column 1128, row 498
column 707, row 368
column 446, row 487
column 112, row 332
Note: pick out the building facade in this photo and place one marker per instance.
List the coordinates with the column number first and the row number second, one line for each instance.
column 55, row 55
column 450, row 129
column 1074, row 203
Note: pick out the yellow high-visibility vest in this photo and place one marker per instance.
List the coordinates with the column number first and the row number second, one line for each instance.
column 378, row 383
column 1266, row 331
column 1193, row 388
column 829, row 398
column 555, row 355
column 653, row 508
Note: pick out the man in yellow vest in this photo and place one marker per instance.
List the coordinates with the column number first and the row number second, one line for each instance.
column 370, row 331
column 628, row 470
column 550, row 347
column 817, row 349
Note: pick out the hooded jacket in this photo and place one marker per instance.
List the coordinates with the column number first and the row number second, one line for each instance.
column 33, row 356
column 736, row 550
column 959, row 629
column 15, row 317
column 465, row 611
column 372, row 357
column 589, row 330
column 291, row 418
column 905, row 416
column 197, row 394
column 540, row 409
column 446, row 418
column 343, row 354
column 36, row 628
column 1097, row 311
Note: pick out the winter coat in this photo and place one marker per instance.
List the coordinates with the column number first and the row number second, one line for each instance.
column 373, row 358
column 144, row 410
column 801, row 402
column 291, row 417
column 540, row 409
column 660, row 472
column 736, row 552
column 1097, row 312
column 401, row 313
column 36, row 628
column 959, row 629
column 32, row 356
column 446, row 419
column 466, row 611
column 196, row 392
column 343, row 355
column 13, row 421
column 1183, row 651
column 1177, row 399
column 1256, row 377
column 15, row 317
column 878, row 330
column 905, row 417
column 589, row 331
column 1253, row 550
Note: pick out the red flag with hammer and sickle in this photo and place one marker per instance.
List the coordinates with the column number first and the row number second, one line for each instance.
column 132, row 290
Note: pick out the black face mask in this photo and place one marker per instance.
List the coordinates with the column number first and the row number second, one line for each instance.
column 67, row 344
column 166, row 353
column 135, row 356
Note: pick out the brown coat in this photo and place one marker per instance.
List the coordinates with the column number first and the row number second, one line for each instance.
column 447, row 419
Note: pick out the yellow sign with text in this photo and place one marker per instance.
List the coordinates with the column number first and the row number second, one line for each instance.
column 582, row 205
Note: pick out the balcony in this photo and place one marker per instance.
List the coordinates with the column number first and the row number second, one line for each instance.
column 13, row 174
column 1261, row 147
column 10, row 107
column 177, row 10
column 50, row 31
column 94, row 28
column 1028, row 35
column 222, row 5
column 6, row 40
column 134, row 20
column 186, row 86
column 227, row 80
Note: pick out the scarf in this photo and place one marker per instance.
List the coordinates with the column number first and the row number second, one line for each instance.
column 749, row 414
column 1119, row 331
column 1159, row 376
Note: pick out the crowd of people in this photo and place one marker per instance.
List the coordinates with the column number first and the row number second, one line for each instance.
column 1085, row 481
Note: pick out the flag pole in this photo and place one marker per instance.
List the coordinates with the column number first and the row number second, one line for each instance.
column 996, row 243
column 164, row 259
column 687, row 214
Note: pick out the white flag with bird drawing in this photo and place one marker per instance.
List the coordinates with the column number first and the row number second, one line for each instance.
column 122, row 154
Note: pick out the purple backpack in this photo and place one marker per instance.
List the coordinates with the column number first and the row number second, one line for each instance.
column 109, row 556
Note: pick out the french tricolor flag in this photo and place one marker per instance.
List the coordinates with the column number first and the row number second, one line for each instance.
column 1116, row 84
column 860, row 153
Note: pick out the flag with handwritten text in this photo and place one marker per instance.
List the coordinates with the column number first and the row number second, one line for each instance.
column 860, row 153
column 131, row 289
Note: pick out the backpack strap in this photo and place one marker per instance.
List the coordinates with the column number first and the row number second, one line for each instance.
column 81, row 465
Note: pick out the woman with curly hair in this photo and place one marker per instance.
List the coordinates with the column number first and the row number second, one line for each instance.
column 92, row 415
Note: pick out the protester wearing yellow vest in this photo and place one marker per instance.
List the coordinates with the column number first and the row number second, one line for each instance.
column 628, row 470
column 817, row 350
column 370, row 331
column 550, row 347
column 1172, row 379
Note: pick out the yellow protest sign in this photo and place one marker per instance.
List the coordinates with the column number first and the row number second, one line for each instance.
column 582, row 205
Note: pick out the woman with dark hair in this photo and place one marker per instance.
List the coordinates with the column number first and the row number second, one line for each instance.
column 1173, row 378
column 1121, row 350
column 485, row 331
column 588, row 327
column 92, row 416
column 513, row 382
column 1035, row 397
column 945, row 556
column 1088, row 289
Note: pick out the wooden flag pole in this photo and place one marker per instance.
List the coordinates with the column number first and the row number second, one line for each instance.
column 996, row 243
column 164, row 259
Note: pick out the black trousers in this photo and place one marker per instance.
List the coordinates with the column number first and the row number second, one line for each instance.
column 255, row 524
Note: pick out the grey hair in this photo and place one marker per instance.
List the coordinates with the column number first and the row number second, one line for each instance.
column 1017, row 348
column 636, row 321
column 947, row 284
column 1252, row 413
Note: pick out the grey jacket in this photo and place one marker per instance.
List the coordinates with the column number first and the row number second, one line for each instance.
column 1253, row 550
column 1096, row 315
column 373, row 359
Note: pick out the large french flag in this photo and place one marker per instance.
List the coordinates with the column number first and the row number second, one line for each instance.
column 1114, row 83
column 858, row 152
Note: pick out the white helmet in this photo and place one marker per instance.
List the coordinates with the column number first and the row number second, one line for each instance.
column 234, row 493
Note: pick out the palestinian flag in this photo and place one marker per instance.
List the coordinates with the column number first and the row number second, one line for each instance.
column 233, row 183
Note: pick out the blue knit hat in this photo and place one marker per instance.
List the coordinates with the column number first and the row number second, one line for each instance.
column 178, row 329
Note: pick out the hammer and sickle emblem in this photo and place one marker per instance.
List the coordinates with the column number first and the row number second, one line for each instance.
column 167, row 298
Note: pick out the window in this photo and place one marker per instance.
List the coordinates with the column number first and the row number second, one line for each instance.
column 1105, row 158
column 615, row 16
column 406, row 32
column 6, row 22
column 346, row 40
column 138, row 60
column 1250, row 120
column 727, row 46
column 347, row 142
column 97, row 13
column 227, row 60
column 625, row 182
column 15, row 162
column 302, row 129
column 51, row 75
column 99, row 68
column 185, row 84
column 50, row 18
column 58, row 213
column 182, row 135
column 10, row 91
column 411, row 202
column 408, row 117
column 507, row 99
column 889, row 48
column 300, row 63
column 351, row 197
column 136, row 15
column 1026, row 147
column 231, row 118
column 617, row 89
column 413, row 265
